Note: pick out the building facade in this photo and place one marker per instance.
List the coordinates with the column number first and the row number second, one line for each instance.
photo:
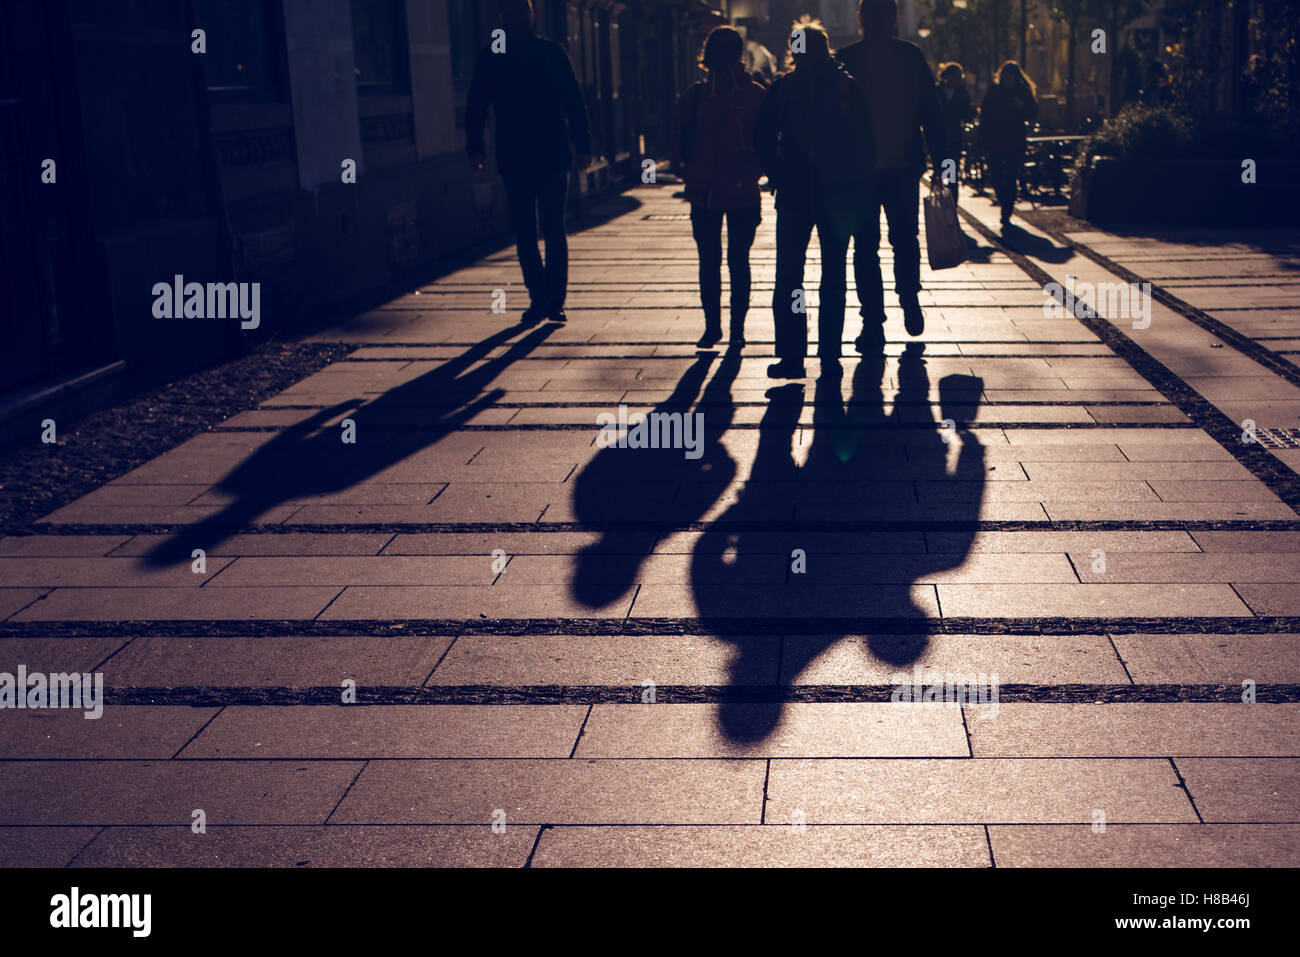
column 211, row 139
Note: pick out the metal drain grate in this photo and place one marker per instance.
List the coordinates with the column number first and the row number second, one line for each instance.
column 1278, row 438
column 665, row 217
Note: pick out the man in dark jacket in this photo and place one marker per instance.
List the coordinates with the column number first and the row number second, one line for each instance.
column 903, row 101
column 530, row 83
column 814, row 141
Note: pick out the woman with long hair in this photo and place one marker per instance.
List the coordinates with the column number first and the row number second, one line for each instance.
column 1009, row 105
column 713, row 151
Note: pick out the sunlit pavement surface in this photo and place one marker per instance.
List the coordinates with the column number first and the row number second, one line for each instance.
column 475, row 635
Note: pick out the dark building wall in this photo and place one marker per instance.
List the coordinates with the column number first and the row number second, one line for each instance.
column 227, row 164
column 132, row 202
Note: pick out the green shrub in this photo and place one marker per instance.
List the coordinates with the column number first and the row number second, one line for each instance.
column 1138, row 132
column 1141, row 133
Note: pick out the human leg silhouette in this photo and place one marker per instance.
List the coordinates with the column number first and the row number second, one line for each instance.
column 521, row 197
column 551, row 193
column 834, row 242
column 794, row 228
column 706, row 228
column 901, row 199
column 867, row 277
column 742, row 225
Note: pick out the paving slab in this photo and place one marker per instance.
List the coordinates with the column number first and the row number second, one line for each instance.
column 557, row 792
column 1244, row 789
column 152, row 604
column 622, row 662
column 1006, row 659
column 121, row 731
column 90, row 793
column 1210, row 659
column 504, row 601
column 1091, row 600
column 760, row 846
column 43, row 846
column 1127, row 729
column 1147, row 845
column 390, row 731
column 979, row 791
column 1236, row 567
column 72, row 653
column 275, row 661
column 43, row 546
column 309, row 846
column 810, row 730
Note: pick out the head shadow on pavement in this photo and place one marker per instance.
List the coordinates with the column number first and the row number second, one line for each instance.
column 628, row 496
column 812, row 553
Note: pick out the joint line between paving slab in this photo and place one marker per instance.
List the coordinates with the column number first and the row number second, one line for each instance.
column 41, row 597
column 970, row 750
column 1120, row 658
column 590, row 695
column 1046, row 523
column 1182, row 783
column 541, row 829
column 578, row 739
column 201, row 729
column 1074, row 568
column 1232, row 586
column 1280, row 480
column 346, row 791
column 81, row 850
column 892, row 427
column 112, row 654
column 330, row 602
column 649, row 626
column 730, row 404
column 441, row 658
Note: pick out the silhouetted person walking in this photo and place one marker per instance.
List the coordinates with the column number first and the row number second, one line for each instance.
column 903, row 102
column 814, row 142
column 530, row 83
column 957, row 110
column 1008, row 106
column 713, row 150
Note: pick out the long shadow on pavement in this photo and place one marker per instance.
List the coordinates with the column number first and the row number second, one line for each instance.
column 628, row 495
column 837, row 574
column 305, row 460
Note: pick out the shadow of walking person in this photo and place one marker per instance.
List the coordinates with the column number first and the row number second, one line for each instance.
column 727, row 564
column 1039, row 247
column 629, row 495
column 864, row 459
column 308, row 460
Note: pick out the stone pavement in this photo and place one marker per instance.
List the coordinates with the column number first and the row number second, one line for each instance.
column 475, row 614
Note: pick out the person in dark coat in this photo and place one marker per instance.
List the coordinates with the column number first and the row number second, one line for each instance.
column 541, row 121
column 814, row 141
column 957, row 110
column 1008, row 106
column 901, row 93
column 712, row 148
